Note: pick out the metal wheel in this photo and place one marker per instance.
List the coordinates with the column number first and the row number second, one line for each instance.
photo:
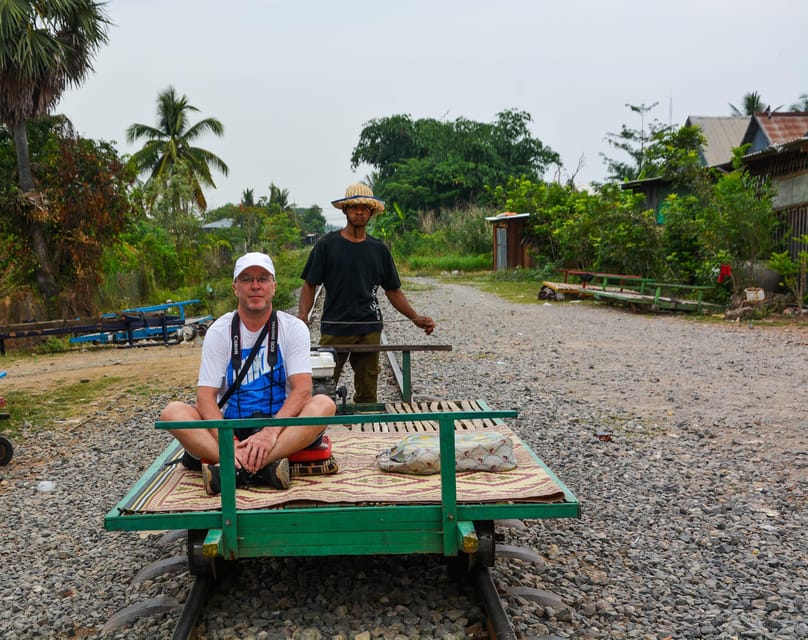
column 460, row 567
column 198, row 564
column 6, row 451
column 486, row 546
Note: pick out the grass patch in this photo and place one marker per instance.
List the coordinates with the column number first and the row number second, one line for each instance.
column 448, row 262
column 520, row 290
column 64, row 401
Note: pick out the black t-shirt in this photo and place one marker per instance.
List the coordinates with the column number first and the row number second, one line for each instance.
column 352, row 273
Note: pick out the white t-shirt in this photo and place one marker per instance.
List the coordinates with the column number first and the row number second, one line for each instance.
column 264, row 388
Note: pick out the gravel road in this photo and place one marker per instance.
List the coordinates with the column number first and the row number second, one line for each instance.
column 694, row 505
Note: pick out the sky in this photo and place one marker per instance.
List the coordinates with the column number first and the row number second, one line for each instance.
column 294, row 83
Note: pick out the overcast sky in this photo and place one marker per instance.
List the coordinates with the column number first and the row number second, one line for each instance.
column 295, row 82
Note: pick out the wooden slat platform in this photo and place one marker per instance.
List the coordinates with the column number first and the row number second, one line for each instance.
column 436, row 406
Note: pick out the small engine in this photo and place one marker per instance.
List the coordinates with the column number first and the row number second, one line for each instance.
column 323, row 363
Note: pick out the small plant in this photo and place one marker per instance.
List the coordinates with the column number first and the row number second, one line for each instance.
column 53, row 344
column 794, row 272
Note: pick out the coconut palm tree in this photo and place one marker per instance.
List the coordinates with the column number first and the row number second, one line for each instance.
column 169, row 143
column 752, row 104
column 45, row 47
column 802, row 105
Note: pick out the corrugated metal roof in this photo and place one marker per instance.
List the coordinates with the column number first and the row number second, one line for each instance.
column 508, row 215
column 778, row 128
column 722, row 135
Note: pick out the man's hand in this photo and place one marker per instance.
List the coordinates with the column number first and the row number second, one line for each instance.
column 424, row 322
column 253, row 453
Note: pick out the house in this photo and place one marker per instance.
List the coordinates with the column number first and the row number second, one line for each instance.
column 510, row 249
column 722, row 135
column 786, row 166
column 778, row 151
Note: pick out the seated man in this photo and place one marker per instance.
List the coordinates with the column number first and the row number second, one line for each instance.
column 272, row 352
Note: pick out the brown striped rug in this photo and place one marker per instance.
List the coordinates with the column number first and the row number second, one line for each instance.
column 359, row 480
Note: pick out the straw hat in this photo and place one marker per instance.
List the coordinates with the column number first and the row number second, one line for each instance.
column 359, row 193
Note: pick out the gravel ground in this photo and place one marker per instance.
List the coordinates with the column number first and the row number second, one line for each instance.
column 693, row 526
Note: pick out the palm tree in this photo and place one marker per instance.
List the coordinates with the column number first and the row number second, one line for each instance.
column 278, row 199
column 169, row 144
column 802, row 105
column 45, row 47
column 752, row 104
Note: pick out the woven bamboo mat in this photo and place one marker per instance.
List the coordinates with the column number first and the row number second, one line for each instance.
column 359, row 481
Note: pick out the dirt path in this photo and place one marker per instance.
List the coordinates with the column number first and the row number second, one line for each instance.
column 159, row 367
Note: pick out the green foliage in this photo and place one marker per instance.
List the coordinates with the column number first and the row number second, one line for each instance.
column 752, row 104
column 430, row 165
column 457, row 240
column 794, row 272
column 801, row 105
column 45, row 47
column 168, row 146
column 634, row 143
column 449, row 262
column 607, row 231
column 674, row 155
column 392, row 223
column 83, row 209
column 311, row 220
column 280, row 233
column 141, row 267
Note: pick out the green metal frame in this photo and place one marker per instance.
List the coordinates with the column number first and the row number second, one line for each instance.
column 446, row 528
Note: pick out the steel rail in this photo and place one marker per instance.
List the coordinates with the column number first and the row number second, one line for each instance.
column 498, row 620
column 194, row 603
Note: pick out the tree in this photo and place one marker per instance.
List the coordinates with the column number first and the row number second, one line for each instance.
column 802, row 105
column 85, row 184
column 278, row 199
column 752, row 104
column 169, row 144
column 634, row 143
column 311, row 219
column 45, row 47
column 432, row 165
column 727, row 221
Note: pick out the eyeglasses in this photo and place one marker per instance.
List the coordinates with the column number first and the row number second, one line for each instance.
column 262, row 280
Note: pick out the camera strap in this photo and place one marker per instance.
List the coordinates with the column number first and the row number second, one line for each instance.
column 239, row 371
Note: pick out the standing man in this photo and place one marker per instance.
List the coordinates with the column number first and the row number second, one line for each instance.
column 353, row 265
column 274, row 351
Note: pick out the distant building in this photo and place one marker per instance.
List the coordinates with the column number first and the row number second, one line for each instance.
column 223, row 223
column 778, row 151
column 510, row 248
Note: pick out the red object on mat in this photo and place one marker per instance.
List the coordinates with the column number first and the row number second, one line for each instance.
column 321, row 452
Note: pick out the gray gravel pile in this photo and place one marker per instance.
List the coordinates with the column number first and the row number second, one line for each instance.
column 685, row 443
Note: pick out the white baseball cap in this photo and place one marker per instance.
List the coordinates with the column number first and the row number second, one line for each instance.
column 254, row 259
